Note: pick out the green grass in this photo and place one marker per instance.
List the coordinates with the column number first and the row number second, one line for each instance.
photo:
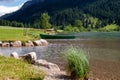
column 78, row 65
column 18, row 70
column 10, row 33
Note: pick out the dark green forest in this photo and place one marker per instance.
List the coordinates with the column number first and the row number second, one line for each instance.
column 85, row 15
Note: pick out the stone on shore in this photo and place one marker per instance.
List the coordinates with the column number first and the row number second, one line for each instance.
column 29, row 44
column 14, row 55
column 30, row 57
column 52, row 70
column 37, row 43
column 16, row 44
column 0, row 43
column 5, row 44
column 48, row 65
column 41, row 42
column 44, row 42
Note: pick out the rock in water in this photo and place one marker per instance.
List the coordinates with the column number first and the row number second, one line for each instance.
column 16, row 44
column 14, row 55
column 29, row 44
column 37, row 43
column 5, row 44
column 44, row 42
column 0, row 43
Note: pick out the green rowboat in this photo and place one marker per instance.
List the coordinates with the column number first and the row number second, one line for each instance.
column 57, row 36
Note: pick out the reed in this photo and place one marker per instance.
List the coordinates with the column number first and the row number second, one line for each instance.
column 77, row 64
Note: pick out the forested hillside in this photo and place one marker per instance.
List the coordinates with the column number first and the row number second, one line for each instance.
column 105, row 9
column 92, row 13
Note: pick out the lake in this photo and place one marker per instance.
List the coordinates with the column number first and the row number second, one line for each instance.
column 103, row 50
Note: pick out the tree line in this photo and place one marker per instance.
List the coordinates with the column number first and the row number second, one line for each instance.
column 83, row 23
column 11, row 23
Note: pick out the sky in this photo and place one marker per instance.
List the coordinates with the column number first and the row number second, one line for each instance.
column 8, row 6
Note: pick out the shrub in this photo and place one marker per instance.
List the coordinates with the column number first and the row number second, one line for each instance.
column 77, row 64
column 70, row 28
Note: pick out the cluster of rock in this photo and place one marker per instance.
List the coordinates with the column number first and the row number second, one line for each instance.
column 32, row 59
column 29, row 43
column 50, row 69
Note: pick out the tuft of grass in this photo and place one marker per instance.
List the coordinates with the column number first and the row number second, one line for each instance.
column 77, row 63
column 18, row 70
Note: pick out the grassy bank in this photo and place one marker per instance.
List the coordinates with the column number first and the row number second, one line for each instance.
column 12, row 33
column 18, row 70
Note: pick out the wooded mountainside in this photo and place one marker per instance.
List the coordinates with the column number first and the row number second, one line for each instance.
column 92, row 13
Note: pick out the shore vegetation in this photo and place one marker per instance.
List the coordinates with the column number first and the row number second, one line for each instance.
column 18, row 70
column 77, row 64
column 8, row 33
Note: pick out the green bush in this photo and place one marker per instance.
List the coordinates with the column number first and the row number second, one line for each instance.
column 78, row 64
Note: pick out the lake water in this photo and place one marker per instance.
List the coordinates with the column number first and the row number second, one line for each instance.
column 103, row 50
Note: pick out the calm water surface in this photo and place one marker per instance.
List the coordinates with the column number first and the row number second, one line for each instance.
column 103, row 50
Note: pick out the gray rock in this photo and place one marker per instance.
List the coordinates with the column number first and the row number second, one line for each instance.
column 44, row 42
column 0, row 43
column 29, row 44
column 16, row 44
column 5, row 44
column 44, row 63
column 37, row 43
column 30, row 57
column 14, row 55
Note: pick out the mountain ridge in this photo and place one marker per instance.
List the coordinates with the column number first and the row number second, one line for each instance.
column 31, row 10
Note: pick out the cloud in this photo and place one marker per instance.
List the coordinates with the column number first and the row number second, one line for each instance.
column 6, row 9
column 7, row 0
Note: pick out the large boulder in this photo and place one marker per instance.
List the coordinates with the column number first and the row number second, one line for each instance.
column 14, row 55
column 30, row 57
column 37, row 43
column 29, row 44
column 44, row 63
column 5, row 44
column 16, row 44
column 44, row 42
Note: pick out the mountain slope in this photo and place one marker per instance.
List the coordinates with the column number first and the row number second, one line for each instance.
column 105, row 9
column 31, row 10
column 66, row 11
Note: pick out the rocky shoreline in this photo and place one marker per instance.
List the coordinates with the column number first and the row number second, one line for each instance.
column 18, row 43
column 52, row 70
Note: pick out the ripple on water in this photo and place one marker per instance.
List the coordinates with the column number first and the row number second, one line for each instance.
column 104, row 54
